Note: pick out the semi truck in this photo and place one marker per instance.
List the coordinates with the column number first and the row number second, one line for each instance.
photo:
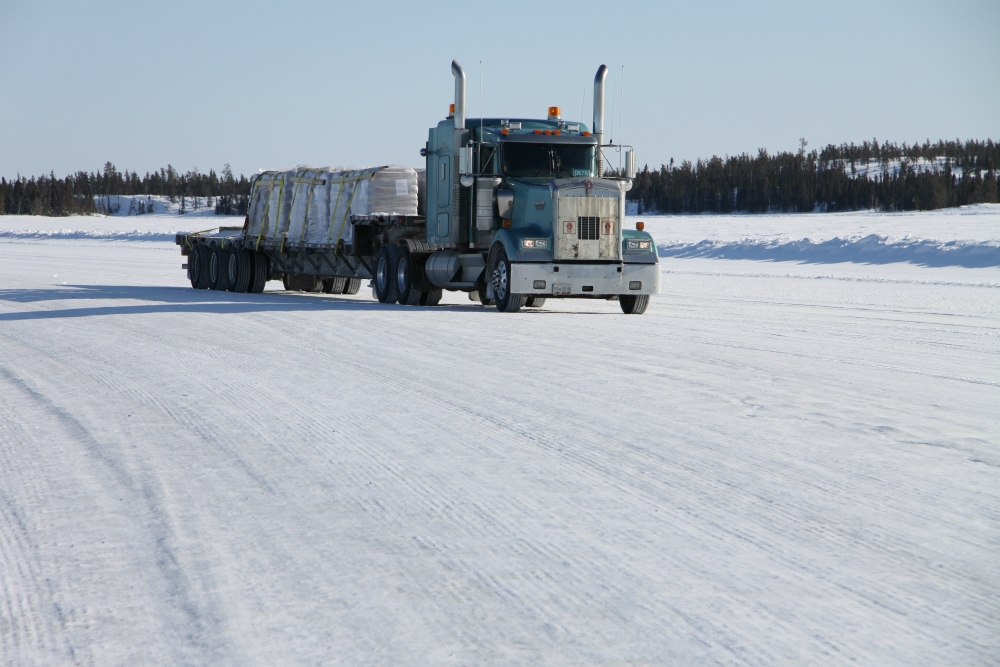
column 511, row 211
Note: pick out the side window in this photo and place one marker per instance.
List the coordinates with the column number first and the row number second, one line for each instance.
column 444, row 181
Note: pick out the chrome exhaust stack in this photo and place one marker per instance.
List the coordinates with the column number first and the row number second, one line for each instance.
column 459, row 73
column 602, row 74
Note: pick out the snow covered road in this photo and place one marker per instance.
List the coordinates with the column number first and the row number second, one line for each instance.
column 776, row 465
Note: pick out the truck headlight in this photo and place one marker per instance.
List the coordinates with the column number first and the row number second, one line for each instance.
column 638, row 245
column 534, row 243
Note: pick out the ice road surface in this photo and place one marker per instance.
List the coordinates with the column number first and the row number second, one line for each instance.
column 781, row 463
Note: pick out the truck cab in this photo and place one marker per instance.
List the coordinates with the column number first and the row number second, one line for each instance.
column 518, row 210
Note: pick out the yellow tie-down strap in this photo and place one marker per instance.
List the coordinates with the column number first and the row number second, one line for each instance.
column 364, row 175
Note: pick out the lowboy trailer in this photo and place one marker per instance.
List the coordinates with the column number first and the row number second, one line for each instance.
column 512, row 211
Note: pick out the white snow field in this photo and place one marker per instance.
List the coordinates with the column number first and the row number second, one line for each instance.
column 780, row 463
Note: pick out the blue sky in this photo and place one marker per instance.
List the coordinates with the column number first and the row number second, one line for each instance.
column 272, row 84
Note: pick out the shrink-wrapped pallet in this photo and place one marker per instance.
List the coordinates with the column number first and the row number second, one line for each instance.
column 311, row 205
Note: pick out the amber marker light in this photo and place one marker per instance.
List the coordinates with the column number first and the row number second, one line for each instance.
column 556, row 131
column 506, row 223
column 640, row 226
column 586, row 134
column 538, row 131
column 548, row 131
column 505, row 131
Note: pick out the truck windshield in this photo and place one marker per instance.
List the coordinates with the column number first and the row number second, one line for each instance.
column 547, row 160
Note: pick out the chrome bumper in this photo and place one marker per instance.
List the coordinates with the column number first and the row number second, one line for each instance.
column 584, row 279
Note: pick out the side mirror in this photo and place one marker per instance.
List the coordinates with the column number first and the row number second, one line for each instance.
column 505, row 203
column 630, row 163
column 465, row 167
column 465, row 160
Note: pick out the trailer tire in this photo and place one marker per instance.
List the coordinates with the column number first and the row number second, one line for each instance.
column 633, row 304
column 261, row 270
column 352, row 285
column 406, row 277
column 198, row 267
column 431, row 298
column 218, row 276
column 386, row 290
column 334, row 285
column 238, row 267
column 534, row 302
column 500, row 275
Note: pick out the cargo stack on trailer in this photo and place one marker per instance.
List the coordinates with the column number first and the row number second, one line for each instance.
column 511, row 211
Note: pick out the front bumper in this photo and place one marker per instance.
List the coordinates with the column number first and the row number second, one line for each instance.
column 584, row 280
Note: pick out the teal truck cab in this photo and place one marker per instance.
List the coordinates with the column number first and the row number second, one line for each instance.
column 519, row 210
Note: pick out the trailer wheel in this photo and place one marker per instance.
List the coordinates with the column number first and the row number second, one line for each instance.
column 238, row 268
column 633, row 304
column 534, row 302
column 261, row 270
column 352, row 285
column 334, row 285
column 386, row 290
column 431, row 298
column 218, row 276
column 406, row 276
column 198, row 267
column 500, row 275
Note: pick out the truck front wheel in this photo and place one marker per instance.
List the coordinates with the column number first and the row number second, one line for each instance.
column 500, row 275
column 633, row 304
column 385, row 274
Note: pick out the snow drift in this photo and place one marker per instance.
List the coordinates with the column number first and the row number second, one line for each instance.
column 871, row 249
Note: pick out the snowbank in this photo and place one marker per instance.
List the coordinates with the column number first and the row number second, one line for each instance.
column 871, row 249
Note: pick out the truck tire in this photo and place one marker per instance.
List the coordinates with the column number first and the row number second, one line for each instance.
column 431, row 298
column 218, row 276
column 385, row 274
column 198, row 266
column 238, row 268
column 334, row 285
column 261, row 270
column 633, row 304
column 500, row 275
column 406, row 277
column 352, row 285
column 534, row 302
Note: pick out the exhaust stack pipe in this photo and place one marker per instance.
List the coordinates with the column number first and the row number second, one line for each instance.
column 602, row 74
column 459, row 73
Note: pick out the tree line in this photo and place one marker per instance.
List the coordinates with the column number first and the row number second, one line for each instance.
column 91, row 192
column 834, row 179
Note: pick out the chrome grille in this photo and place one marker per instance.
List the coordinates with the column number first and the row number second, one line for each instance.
column 588, row 227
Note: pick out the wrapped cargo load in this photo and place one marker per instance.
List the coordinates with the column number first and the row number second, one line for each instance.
column 313, row 205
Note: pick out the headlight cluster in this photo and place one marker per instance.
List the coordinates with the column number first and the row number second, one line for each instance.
column 639, row 245
column 534, row 243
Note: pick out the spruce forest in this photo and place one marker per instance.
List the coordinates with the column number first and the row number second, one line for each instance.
column 84, row 192
column 885, row 177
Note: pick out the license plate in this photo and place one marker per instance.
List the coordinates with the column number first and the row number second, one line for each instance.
column 562, row 289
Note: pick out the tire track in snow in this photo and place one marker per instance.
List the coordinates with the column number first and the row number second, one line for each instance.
column 187, row 624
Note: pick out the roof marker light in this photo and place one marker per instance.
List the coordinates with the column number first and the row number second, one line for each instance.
column 538, row 131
